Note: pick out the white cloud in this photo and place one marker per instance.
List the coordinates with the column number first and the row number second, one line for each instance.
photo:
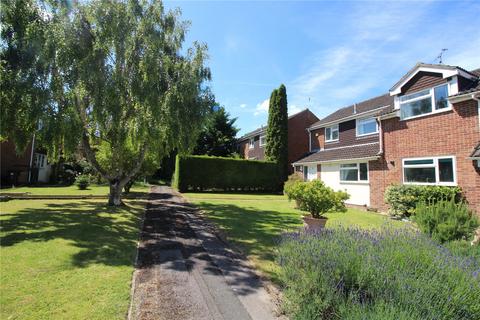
column 243, row 105
column 379, row 46
column 262, row 107
column 293, row 109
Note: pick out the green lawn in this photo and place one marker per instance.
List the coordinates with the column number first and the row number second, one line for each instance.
column 65, row 259
column 255, row 222
column 71, row 190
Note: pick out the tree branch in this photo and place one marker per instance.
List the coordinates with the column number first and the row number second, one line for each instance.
column 137, row 167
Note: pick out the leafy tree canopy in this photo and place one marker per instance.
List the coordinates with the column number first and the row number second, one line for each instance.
column 108, row 78
column 218, row 136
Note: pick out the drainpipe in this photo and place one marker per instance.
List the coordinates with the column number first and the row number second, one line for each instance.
column 309, row 140
column 380, row 135
column 31, row 159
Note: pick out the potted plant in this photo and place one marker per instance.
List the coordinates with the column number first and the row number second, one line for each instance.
column 82, row 181
column 317, row 199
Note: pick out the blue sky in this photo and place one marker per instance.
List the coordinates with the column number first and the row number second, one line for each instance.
column 329, row 54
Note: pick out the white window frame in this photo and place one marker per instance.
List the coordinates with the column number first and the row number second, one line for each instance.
column 358, row 181
column 437, row 171
column 260, row 141
column 332, row 128
column 358, row 121
column 431, row 94
column 251, row 143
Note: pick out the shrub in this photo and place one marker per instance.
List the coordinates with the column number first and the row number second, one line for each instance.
column 349, row 273
column 217, row 173
column 445, row 220
column 316, row 198
column 82, row 181
column 403, row 199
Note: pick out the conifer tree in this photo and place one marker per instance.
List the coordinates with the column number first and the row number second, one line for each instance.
column 277, row 130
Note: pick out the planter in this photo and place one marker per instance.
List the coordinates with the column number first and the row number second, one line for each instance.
column 314, row 224
column 82, row 185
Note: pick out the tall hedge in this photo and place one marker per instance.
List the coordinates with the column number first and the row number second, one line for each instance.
column 217, row 173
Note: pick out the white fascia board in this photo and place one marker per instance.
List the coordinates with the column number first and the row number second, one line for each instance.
column 446, row 73
column 339, row 160
column 351, row 117
column 467, row 96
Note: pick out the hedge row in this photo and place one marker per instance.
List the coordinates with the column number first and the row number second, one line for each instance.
column 227, row 174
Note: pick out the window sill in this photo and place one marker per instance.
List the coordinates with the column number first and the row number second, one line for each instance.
column 360, row 136
column 331, row 141
column 355, row 182
column 441, row 184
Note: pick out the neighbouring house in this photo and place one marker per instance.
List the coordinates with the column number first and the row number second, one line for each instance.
column 252, row 145
column 30, row 166
column 425, row 131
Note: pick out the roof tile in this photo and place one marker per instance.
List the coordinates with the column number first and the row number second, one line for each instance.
column 345, row 153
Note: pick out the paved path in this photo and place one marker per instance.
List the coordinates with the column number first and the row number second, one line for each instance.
column 185, row 272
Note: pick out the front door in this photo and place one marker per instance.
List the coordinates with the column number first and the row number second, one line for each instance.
column 312, row 172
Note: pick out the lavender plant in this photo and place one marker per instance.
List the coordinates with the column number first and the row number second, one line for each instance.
column 350, row 273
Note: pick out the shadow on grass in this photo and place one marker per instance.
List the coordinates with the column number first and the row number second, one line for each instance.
column 105, row 235
column 255, row 231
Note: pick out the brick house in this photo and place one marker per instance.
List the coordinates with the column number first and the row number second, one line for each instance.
column 30, row 166
column 252, row 145
column 426, row 131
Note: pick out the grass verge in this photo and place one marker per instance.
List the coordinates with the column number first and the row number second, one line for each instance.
column 254, row 222
column 67, row 259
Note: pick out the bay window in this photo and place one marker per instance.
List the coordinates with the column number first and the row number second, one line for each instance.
column 367, row 126
column 331, row 133
column 424, row 102
column 435, row 170
column 354, row 172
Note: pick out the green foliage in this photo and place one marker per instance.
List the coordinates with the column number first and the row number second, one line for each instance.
column 349, row 273
column 218, row 136
column 315, row 197
column 290, row 186
column 446, row 220
column 82, row 181
column 277, row 130
column 207, row 173
column 110, row 77
column 403, row 199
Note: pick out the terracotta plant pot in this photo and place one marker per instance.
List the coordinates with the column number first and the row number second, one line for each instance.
column 314, row 224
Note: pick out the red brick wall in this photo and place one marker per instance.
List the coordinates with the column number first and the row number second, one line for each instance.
column 12, row 162
column 318, row 139
column 298, row 144
column 454, row 133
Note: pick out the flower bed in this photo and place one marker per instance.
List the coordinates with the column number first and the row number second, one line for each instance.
column 390, row 274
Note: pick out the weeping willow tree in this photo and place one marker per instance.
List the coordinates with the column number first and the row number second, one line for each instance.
column 110, row 79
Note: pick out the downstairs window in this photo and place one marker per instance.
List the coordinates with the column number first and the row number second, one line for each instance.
column 353, row 172
column 434, row 171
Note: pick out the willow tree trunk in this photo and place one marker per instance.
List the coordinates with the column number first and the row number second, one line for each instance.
column 115, row 196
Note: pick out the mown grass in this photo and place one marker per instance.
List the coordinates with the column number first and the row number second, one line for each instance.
column 65, row 259
column 93, row 189
column 255, row 222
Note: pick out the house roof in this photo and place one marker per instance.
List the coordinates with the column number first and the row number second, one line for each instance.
column 363, row 151
column 379, row 102
column 448, row 71
column 263, row 129
column 476, row 152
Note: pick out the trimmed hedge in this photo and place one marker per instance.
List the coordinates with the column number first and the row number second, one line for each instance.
column 227, row 174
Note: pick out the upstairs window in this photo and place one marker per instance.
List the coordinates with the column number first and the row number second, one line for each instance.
column 424, row 102
column 367, row 126
column 263, row 141
column 331, row 133
column 251, row 143
column 354, row 172
column 439, row 171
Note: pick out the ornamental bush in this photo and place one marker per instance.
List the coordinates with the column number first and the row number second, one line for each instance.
column 351, row 273
column 315, row 197
column 82, row 181
column 403, row 199
column 225, row 174
column 445, row 220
